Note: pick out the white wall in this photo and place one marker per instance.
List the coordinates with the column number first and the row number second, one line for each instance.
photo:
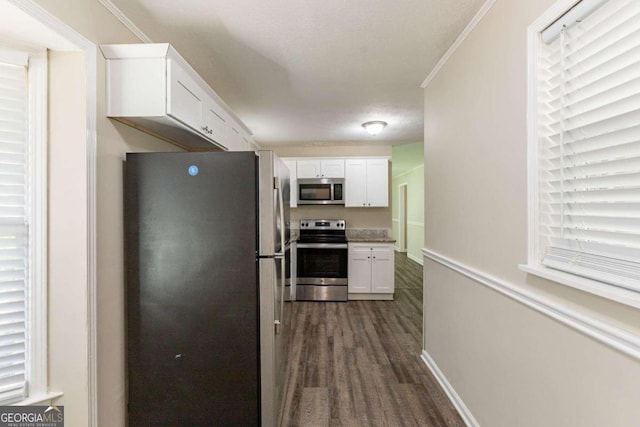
column 68, row 239
column 510, row 364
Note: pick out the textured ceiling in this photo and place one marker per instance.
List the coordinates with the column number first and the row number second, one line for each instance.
column 312, row 71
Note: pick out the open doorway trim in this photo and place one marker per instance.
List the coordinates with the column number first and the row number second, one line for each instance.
column 402, row 217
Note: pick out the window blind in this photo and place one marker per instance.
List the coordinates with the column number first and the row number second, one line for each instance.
column 14, row 231
column 589, row 141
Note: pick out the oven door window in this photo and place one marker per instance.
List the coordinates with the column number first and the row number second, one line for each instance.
column 322, row 263
column 315, row 192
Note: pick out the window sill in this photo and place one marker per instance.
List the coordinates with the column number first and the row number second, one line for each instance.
column 39, row 398
column 611, row 292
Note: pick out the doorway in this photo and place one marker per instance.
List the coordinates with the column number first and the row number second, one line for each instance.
column 402, row 218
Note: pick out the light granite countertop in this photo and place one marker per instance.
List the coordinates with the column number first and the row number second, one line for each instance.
column 369, row 235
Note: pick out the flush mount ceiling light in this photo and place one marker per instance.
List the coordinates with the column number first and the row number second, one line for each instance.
column 374, row 127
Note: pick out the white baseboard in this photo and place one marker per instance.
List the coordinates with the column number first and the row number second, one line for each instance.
column 455, row 399
column 415, row 258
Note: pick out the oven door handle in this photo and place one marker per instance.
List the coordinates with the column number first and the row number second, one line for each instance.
column 323, row 245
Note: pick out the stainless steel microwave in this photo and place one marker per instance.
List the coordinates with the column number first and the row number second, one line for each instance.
column 321, row 191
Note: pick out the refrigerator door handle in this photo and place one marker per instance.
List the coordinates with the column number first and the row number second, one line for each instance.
column 278, row 187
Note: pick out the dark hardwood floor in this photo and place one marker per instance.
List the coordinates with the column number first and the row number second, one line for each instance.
column 358, row 363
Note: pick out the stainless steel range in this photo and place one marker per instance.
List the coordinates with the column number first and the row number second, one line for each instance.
column 322, row 260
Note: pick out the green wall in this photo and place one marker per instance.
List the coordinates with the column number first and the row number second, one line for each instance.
column 408, row 169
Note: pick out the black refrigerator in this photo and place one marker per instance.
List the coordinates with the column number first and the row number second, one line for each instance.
column 207, row 332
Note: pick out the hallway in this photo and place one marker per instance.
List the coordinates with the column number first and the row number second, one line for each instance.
column 358, row 363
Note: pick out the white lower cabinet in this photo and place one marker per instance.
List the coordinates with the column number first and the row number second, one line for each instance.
column 371, row 271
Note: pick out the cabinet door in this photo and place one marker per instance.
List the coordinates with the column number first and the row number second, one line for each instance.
column 308, row 169
column 377, row 182
column 233, row 138
column 246, row 143
column 215, row 124
column 382, row 272
column 185, row 99
column 359, row 277
column 355, row 181
column 293, row 182
column 333, row 168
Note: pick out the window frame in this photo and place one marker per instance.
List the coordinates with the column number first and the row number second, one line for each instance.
column 36, row 309
column 37, row 368
column 534, row 262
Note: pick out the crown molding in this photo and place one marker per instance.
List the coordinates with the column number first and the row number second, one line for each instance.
column 124, row 19
column 463, row 35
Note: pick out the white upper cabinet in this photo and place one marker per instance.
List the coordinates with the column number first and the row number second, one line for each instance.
column 332, row 168
column 355, row 182
column 150, row 86
column 321, row 168
column 185, row 99
column 367, row 183
column 377, row 182
column 308, row 168
column 237, row 139
column 215, row 122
